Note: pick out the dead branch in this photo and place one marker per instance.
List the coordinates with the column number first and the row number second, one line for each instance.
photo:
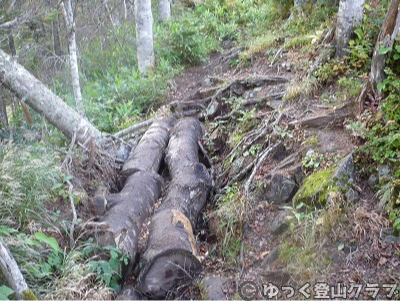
column 13, row 275
column 134, row 128
column 260, row 161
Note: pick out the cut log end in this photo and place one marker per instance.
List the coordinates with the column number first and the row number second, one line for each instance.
column 170, row 258
column 169, row 271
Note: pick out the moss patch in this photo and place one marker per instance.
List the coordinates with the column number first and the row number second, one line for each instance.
column 315, row 189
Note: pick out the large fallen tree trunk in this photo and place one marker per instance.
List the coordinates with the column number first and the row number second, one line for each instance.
column 169, row 260
column 129, row 208
column 148, row 154
column 122, row 223
column 35, row 94
column 183, row 148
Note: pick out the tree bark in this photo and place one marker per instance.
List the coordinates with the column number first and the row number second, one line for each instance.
column 55, row 33
column 149, row 153
column 182, row 148
column 350, row 16
column 13, row 275
column 169, row 260
column 3, row 110
column 73, row 58
column 164, row 10
column 127, row 212
column 35, row 94
column 386, row 38
column 144, row 35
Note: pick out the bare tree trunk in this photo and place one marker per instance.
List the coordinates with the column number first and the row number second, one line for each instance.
column 35, row 94
column 11, row 44
column 144, row 35
column 386, row 38
column 13, row 275
column 164, row 10
column 70, row 23
column 350, row 16
column 55, row 34
column 3, row 110
column 387, row 35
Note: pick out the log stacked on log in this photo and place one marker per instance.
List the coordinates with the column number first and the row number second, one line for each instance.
column 122, row 223
column 169, row 260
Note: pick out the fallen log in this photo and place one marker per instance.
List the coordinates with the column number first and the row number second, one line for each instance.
column 188, row 191
column 148, row 154
column 182, row 148
column 122, row 222
column 170, row 258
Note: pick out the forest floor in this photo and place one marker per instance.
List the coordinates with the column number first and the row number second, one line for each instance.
column 355, row 258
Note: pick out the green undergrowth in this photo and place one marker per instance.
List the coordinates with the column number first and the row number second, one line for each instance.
column 227, row 223
column 381, row 133
column 30, row 186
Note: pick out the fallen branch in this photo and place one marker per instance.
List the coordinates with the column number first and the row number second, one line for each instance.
column 261, row 159
column 13, row 275
column 74, row 215
column 135, row 127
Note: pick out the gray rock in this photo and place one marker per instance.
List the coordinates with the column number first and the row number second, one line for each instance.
column 384, row 172
column 275, row 104
column 297, row 174
column 278, row 277
column 344, row 173
column 280, row 223
column 216, row 288
column 280, row 189
column 239, row 164
column 272, row 256
column 387, row 237
column 352, row 195
column 372, row 181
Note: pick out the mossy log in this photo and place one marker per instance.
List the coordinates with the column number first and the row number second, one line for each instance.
column 122, row 223
column 169, row 260
column 149, row 153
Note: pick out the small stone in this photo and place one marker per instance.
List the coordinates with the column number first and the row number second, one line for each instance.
column 344, row 174
column 352, row 195
column 280, row 189
column 372, row 181
column 272, row 256
column 387, row 237
column 216, row 288
column 280, row 223
column 384, row 172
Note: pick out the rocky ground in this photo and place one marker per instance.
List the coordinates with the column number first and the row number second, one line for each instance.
column 348, row 251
